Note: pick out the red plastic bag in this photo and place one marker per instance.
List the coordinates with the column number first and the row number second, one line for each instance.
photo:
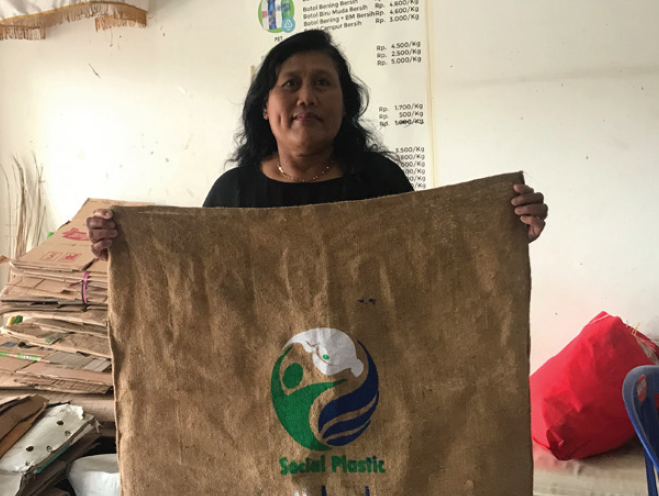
column 576, row 397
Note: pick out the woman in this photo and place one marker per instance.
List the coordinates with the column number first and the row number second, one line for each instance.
column 303, row 143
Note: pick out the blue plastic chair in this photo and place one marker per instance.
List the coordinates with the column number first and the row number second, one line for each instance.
column 638, row 390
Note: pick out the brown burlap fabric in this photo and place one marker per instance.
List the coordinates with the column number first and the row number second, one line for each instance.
column 366, row 348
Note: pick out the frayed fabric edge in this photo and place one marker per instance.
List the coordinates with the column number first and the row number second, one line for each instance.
column 108, row 15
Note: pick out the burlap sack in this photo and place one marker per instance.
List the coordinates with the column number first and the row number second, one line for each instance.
column 368, row 348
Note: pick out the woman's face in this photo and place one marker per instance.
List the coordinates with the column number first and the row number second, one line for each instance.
column 305, row 106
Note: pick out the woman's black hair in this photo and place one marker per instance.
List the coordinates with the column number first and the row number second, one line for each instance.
column 256, row 141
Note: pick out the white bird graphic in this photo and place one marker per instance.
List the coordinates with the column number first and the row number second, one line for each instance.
column 332, row 350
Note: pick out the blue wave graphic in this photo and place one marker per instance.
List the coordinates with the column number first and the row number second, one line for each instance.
column 355, row 423
column 351, row 402
column 342, row 441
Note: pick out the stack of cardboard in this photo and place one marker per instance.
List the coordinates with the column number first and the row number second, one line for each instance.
column 53, row 338
column 54, row 311
column 38, row 443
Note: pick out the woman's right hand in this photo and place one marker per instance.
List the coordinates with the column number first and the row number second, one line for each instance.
column 101, row 231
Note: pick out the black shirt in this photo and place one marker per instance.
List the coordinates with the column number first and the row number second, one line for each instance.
column 248, row 187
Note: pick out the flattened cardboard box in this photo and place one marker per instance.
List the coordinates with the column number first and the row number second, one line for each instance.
column 376, row 347
column 68, row 247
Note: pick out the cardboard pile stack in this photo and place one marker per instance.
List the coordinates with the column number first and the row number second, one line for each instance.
column 54, row 311
column 54, row 339
column 38, row 443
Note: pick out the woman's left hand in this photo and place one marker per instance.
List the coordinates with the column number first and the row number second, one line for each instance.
column 531, row 208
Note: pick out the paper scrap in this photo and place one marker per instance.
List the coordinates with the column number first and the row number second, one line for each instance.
column 54, row 430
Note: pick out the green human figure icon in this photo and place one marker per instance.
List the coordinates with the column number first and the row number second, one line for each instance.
column 293, row 409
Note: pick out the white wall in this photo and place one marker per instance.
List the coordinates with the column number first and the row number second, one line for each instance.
column 566, row 91
column 155, row 124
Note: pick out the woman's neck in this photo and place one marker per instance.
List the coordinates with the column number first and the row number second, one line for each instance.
column 316, row 167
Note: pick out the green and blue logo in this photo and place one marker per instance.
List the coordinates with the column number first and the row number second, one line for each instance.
column 324, row 389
